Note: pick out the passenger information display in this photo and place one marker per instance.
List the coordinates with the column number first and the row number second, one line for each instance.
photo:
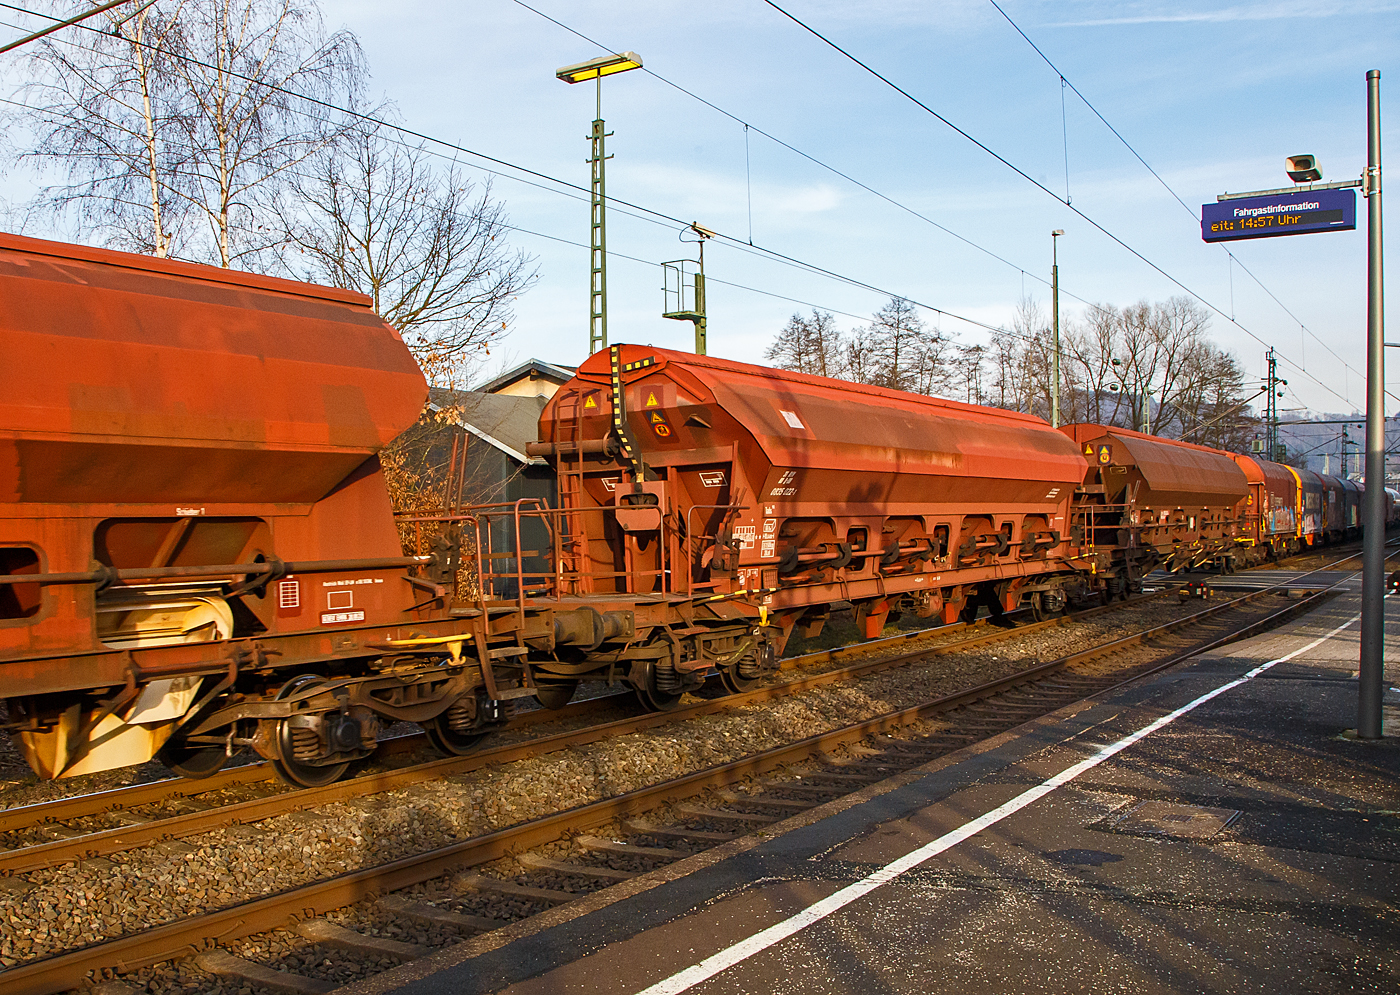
column 1294, row 213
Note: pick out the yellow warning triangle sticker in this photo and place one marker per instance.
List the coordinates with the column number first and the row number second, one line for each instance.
column 590, row 403
column 1088, row 449
column 651, row 400
column 656, row 418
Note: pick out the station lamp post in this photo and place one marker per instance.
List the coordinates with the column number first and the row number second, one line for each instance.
column 1312, row 206
column 596, row 69
column 1371, row 675
column 1055, row 320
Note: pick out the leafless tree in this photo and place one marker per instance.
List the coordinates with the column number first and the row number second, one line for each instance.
column 185, row 117
column 860, row 361
column 809, row 345
column 1020, row 376
column 895, row 350
column 934, row 369
column 1004, row 358
column 897, row 335
column 970, row 365
column 103, row 109
column 1150, row 362
column 1093, row 390
column 371, row 214
column 244, row 129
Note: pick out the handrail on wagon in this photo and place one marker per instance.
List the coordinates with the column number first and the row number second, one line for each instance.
column 689, row 573
column 274, row 568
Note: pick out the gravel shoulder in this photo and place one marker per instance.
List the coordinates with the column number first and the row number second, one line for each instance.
column 52, row 910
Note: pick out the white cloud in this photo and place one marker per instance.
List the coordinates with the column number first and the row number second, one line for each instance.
column 1273, row 11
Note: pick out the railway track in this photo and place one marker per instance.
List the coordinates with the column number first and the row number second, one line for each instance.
column 120, row 809
column 171, row 789
column 618, row 837
column 104, row 823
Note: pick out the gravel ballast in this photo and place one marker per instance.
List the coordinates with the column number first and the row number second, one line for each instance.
column 49, row 911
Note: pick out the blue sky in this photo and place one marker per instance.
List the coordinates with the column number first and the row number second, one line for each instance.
column 1212, row 96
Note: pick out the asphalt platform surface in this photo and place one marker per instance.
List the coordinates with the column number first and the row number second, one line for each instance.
column 1246, row 845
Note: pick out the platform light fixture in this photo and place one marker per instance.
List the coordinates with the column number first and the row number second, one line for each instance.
column 596, row 69
column 604, row 65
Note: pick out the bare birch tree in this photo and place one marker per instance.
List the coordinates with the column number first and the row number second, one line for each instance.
column 244, row 130
column 1119, row 366
column 104, row 111
column 174, row 126
column 970, row 366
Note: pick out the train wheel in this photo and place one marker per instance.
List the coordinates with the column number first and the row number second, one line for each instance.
column 287, row 766
column 658, row 701
column 969, row 611
column 733, row 683
column 449, row 741
column 307, row 775
column 553, row 693
column 1038, row 611
column 654, row 698
column 193, row 762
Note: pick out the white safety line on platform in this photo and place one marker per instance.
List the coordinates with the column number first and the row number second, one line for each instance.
column 690, row 977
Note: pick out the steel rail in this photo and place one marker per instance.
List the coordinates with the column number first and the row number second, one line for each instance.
column 134, row 795
column 119, row 799
column 107, row 841
column 175, row 939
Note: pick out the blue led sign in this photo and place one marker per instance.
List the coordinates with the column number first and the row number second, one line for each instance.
column 1294, row 213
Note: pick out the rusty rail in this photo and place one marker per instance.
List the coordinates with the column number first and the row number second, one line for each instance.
column 117, row 799
column 171, row 940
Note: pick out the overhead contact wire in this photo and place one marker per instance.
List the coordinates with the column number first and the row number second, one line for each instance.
column 730, row 240
column 1044, row 189
column 1064, row 82
column 805, row 155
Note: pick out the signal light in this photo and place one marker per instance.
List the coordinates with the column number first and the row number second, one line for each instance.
column 1302, row 168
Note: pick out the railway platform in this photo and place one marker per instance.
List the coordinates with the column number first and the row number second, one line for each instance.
column 1211, row 829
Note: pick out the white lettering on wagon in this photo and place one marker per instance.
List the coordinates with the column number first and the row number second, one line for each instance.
column 783, row 489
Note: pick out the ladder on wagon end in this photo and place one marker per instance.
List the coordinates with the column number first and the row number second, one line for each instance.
column 574, row 575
